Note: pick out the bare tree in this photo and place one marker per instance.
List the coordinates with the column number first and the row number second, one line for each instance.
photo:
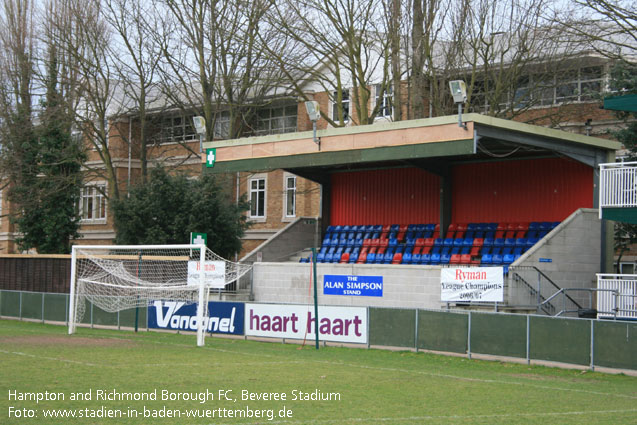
column 217, row 62
column 341, row 48
column 136, row 57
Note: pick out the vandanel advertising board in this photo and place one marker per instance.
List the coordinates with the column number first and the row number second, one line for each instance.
column 338, row 324
column 223, row 317
column 464, row 284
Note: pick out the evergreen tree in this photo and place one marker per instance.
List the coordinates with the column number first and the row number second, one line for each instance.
column 167, row 208
column 48, row 189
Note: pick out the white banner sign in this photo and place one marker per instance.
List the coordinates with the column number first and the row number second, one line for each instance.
column 215, row 273
column 472, row 284
column 341, row 324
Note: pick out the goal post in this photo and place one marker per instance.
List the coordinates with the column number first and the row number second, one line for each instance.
column 120, row 277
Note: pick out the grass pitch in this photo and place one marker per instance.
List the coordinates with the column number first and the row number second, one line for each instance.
column 111, row 377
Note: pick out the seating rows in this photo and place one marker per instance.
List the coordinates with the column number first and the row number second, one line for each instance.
column 483, row 244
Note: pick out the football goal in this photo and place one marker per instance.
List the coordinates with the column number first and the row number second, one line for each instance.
column 118, row 277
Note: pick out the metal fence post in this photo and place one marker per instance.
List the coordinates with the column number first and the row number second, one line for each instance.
column 42, row 307
column 528, row 339
column 469, row 337
column 416, row 332
column 592, row 344
column 91, row 315
column 20, row 311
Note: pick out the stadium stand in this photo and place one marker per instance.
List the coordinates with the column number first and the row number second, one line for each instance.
column 486, row 244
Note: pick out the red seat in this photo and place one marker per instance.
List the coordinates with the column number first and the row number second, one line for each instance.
column 499, row 234
column 478, row 242
column 523, row 226
column 362, row 257
column 398, row 258
column 425, row 250
column 345, row 257
column 384, row 243
column 460, row 234
column 465, row 259
column 475, row 260
column 367, row 242
column 455, row 259
column 512, row 226
column 509, row 234
column 420, row 242
column 520, row 234
column 475, row 250
column 429, row 242
column 417, row 250
column 461, row 227
column 374, row 242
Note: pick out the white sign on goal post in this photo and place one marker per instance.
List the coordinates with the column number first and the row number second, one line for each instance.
column 465, row 284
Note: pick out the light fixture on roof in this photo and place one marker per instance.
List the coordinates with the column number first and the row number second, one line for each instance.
column 588, row 126
column 459, row 93
column 314, row 112
column 200, row 128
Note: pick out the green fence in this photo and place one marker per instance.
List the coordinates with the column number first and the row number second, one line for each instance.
column 53, row 307
column 567, row 340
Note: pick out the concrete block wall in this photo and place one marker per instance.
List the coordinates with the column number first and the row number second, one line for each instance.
column 574, row 250
column 404, row 286
column 293, row 238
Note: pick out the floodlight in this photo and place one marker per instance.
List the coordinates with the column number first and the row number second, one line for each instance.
column 313, row 110
column 200, row 124
column 458, row 91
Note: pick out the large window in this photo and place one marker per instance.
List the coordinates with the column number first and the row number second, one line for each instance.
column 345, row 103
column 290, row 196
column 276, row 120
column 257, row 198
column 93, row 203
column 175, row 129
column 576, row 85
column 386, row 108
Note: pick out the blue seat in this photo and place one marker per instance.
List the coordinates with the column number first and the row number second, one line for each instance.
column 466, row 250
column 330, row 254
column 488, row 241
column 509, row 242
column 438, row 242
column 467, row 242
column 531, row 241
column 371, row 258
column 338, row 229
column 508, row 259
column 407, row 257
column 448, row 242
column 434, row 259
column 393, row 242
column 496, row 259
column 353, row 257
column 346, row 229
column 520, row 242
column 416, row 258
column 486, row 259
column 498, row 242
column 445, row 258
column 458, row 242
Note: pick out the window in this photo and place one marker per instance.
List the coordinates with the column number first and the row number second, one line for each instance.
column 345, row 103
column 222, row 125
column 176, row 129
column 290, row 196
column 276, row 120
column 93, row 203
column 386, row 108
column 257, row 198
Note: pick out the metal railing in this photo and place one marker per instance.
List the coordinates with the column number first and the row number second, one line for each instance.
column 619, row 296
column 617, row 185
column 530, row 287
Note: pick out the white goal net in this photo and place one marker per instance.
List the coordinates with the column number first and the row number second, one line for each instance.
column 116, row 277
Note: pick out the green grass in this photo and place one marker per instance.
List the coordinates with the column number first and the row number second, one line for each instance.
column 375, row 386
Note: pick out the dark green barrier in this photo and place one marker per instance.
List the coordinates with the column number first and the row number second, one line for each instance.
column 55, row 307
column 32, row 305
column 86, row 318
column 442, row 331
column 101, row 317
column 498, row 334
column 615, row 344
column 392, row 327
column 10, row 304
column 127, row 317
column 560, row 340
